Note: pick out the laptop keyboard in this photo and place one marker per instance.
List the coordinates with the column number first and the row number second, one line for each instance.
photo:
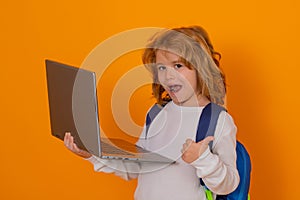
column 107, row 148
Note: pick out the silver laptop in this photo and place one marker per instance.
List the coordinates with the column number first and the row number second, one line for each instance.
column 73, row 108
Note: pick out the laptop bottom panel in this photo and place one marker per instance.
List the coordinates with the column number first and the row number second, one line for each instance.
column 120, row 149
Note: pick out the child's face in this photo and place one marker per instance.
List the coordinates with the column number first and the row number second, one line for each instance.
column 177, row 79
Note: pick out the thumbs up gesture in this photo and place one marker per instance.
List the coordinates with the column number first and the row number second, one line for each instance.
column 192, row 150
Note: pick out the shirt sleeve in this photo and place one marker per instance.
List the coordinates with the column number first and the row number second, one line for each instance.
column 218, row 168
column 125, row 169
column 142, row 142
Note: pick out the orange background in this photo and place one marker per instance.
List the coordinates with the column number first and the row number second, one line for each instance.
column 259, row 42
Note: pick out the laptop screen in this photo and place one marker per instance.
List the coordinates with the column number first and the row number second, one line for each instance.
column 73, row 105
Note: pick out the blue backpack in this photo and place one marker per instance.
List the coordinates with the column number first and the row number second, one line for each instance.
column 206, row 127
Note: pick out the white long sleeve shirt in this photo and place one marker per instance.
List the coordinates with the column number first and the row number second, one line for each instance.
column 166, row 135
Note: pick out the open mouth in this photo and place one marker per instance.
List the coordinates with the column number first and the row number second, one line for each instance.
column 174, row 88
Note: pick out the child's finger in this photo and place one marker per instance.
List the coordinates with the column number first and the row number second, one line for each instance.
column 208, row 139
column 189, row 141
column 76, row 149
column 66, row 138
column 186, row 145
column 69, row 141
column 71, row 144
column 81, row 152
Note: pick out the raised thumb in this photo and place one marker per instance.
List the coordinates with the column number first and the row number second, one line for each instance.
column 207, row 140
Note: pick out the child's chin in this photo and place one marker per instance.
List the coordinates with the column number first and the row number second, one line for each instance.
column 173, row 97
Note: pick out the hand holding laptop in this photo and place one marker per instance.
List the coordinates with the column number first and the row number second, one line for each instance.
column 69, row 143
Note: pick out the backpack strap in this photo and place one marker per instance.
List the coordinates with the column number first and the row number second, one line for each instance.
column 207, row 127
column 208, row 121
column 153, row 112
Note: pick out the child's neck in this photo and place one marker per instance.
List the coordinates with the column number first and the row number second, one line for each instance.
column 202, row 100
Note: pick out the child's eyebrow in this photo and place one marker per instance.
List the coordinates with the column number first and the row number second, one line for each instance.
column 177, row 61
column 173, row 62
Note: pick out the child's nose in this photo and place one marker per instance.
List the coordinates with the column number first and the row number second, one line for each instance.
column 170, row 73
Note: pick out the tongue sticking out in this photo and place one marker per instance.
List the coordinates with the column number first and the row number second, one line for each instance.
column 175, row 88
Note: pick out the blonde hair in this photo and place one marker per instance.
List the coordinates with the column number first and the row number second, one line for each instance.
column 196, row 51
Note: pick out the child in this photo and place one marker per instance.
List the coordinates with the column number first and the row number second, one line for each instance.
column 186, row 77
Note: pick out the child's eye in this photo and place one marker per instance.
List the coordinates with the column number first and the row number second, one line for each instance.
column 178, row 65
column 161, row 67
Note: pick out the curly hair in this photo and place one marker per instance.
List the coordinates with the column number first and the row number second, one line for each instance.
column 193, row 46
